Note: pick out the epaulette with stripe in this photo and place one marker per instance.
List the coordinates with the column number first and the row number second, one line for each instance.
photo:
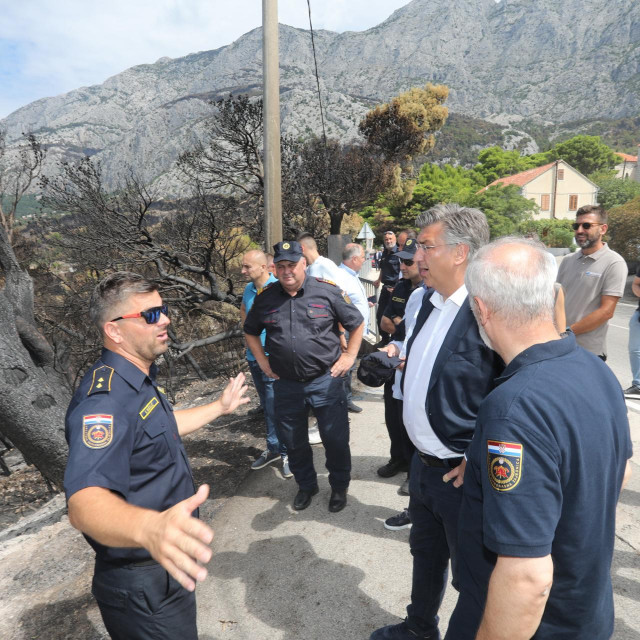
column 327, row 281
column 101, row 381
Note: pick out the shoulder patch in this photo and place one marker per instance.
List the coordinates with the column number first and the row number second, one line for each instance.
column 101, row 381
column 145, row 412
column 504, row 464
column 266, row 286
column 97, row 430
column 346, row 298
column 327, row 281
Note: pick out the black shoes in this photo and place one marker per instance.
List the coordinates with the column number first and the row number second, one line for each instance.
column 338, row 500
column 303, row 498
column 353, row 408
column 392, row 468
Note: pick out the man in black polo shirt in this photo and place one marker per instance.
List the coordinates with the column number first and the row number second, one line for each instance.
column 389, row 265
column 301, row 315
column 544, row 469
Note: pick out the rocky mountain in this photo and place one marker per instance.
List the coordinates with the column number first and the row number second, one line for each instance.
column 540, row 60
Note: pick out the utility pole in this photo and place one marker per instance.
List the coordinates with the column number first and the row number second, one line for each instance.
column 271, row 104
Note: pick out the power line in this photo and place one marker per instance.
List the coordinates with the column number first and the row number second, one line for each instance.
column 315, row 62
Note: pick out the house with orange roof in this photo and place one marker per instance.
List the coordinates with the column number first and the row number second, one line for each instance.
column 557, row 188
column 627, row 167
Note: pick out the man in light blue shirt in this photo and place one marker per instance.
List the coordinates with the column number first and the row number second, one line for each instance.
column 254, row 267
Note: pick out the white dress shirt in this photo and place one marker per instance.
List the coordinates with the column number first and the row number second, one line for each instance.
column 357, row 294
column 328, row 270
column 425, row 348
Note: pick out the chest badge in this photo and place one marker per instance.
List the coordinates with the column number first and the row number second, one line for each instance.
column 149, row 407
column 97, row 431
column 504, row 464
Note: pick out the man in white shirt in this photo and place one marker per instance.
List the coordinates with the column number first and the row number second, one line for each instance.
column 352, row 261
column 449, row 371
column 319, row 266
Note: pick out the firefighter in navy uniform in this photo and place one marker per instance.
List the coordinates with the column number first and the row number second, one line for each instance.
column 304, row 317
column 128, row 482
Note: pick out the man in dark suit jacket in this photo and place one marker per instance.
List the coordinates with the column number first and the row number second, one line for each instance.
column 449, row 371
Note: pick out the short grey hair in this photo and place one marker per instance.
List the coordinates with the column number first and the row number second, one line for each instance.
column 112, row 291
column 350, row 250
column 520, row 289
column 461, row 225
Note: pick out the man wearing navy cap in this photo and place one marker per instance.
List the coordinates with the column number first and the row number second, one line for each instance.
column 545, row 467
column 128, row 483
column 301, row 315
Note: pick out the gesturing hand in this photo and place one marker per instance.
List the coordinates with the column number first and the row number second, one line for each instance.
column 178, row 541
column 233, row 395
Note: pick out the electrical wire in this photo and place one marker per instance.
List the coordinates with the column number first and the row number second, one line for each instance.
column 315, row 61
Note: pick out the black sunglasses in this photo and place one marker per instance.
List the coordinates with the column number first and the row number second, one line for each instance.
column 151, row 316
column 406, row 261
column 585, row 225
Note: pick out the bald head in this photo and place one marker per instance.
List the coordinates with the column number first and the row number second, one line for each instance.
column 254, row 266
column 514, row 277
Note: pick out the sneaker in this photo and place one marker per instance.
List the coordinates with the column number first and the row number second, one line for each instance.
column 404, row 487
column 314, row 433
column 266, row 457
column 399, row 521
column 397, row 632
column 286, row 472
column 633, row 392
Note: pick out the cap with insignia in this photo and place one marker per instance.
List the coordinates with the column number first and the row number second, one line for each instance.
column 408, row 251
column 287, row 250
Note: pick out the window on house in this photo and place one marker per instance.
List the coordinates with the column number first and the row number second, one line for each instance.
column 573, row 203
column 545, row 199
column 560, row 174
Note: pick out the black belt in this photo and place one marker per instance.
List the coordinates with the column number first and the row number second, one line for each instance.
column 443, row 463
column 103, row 564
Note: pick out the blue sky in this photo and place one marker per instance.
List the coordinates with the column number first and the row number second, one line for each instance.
column 48, row 47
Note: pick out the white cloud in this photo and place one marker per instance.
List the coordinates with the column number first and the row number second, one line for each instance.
column 49, row 47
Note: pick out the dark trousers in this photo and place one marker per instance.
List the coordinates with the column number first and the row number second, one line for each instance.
column 326, row 395
column 144, row 603
column 401, row 446
column 383, row 301
column 434, row 506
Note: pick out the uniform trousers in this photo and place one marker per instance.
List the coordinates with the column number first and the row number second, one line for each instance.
column 434, row 506
column 326, row 395
column 383, row 301
column 143, row 603
column 264, row 387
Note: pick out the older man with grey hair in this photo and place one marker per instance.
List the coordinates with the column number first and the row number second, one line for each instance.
column 544, row 469
column 448, row 373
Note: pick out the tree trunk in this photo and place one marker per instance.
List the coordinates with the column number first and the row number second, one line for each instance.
column 33, row 397
column 335, row 223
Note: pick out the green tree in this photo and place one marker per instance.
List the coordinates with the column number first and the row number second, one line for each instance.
column 495, row 162
column 624, row 230
column 553, row 232
column 444, row 184
column 615, row 191
column 587, row 154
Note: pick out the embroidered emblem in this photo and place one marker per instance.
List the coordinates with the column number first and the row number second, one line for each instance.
column 396, row 299
column 346, row 298
column 149, row 407
column 314, row 312
column 97, row 431
column 504, row 464
column 101, row 379
column 409, row 242
column 262, row 289
column 286, row 245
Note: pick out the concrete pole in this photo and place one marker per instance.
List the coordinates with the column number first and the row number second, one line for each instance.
column 271, row 93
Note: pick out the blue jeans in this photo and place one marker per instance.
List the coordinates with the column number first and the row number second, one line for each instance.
column 264, row 387
column 434, row 507
column 634, row 347
column 327, row 397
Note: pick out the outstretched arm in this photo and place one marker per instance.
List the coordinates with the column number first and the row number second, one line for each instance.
column 174, row 538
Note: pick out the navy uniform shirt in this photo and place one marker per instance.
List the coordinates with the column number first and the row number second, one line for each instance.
column 302, row 330
column 543, row 476
column 397, row 304
column 389, row 266
column 123, row 436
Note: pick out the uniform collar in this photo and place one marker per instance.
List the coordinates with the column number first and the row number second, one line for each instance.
column 299, row 292
column 393, row 249
column 127, row 370
column 538, row 353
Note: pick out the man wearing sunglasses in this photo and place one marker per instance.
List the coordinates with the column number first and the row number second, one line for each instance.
column 593, row 280
column 128, row 482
